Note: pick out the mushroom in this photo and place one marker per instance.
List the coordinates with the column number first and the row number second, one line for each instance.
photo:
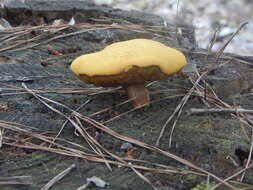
column 129, row 64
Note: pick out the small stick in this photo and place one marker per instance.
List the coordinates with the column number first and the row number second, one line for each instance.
column 249, row 158
column 184, row 100
column 83, row 186
column 16, row 180
column 66, row 121
column 220, row 110
column 1, row 137
column 218, row 55
column 58, row 177
column 229, row 178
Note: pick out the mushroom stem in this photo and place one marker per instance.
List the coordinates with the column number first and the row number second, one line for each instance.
column 138, row 93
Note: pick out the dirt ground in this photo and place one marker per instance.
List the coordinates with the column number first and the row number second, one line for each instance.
column 39, row 94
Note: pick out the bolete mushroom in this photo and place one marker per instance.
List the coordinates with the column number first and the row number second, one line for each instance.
column 129, row 64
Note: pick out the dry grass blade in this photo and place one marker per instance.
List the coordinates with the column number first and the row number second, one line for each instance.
column 66, row 121
column 177, row 110
column 16, row 180
column 89, row 139
column 149, row 147
column 96, row 147
column 229, row 40
column 15, row 39
column 249, row 157
column 76, row 153
column 144, row 178
column 134, row 109
column 13, row 183
column 20, row 43
column 235, row 57
column 88, row 91
column 73, row 152
column 144, row 145
column 1, row 137
column 46, row 41
column 231, row 177
column 211, row 97
column 221, row 110
column 58, row 177
column 180, row 106
column 98, row 152
column 134, row 141
column 212, row 42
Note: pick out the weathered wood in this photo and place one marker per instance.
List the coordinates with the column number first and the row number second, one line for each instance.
column 81, row 10
column 204, row 140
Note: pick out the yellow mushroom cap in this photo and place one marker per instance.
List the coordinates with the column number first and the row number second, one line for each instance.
column 132, row 61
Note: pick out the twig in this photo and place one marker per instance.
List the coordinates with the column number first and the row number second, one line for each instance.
column 1, row 137
column 212, row 42
column 220, row 110
column 14, row 183
column 249, row 157
column 83, row 186
column 51, row 39
column 159, row 168
column 178, row 108
column 186, row 97
column 229, row 40
column 152, row 148
column 177, row 19
column 231, row 177
column 58, row 177
column 89, row 139
column 66, row 121
column 214, row 99
column 16, row 180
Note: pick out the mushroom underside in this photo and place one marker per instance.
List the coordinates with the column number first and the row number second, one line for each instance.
column 133, row 81
column 135, row 75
